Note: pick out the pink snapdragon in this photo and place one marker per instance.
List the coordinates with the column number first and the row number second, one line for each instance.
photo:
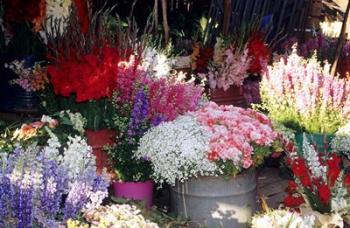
column 234, row 130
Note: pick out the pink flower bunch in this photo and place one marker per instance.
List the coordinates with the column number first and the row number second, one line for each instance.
column 168, row 99
column 232, row 71
column 129, row 74
column 234, row 130
column 299, row 90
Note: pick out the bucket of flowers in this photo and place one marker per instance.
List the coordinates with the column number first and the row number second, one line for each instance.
column 320, row 186
column 50, row 175
column 302, row 95
column 141, row 102
column 208, row 157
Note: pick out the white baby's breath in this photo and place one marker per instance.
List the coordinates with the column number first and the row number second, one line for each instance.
column 178, row 150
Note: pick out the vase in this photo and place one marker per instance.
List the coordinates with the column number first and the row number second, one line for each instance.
column 97, row 140
column 217, row 201
column 321, row 142
column 232, row 96
column 141, row 191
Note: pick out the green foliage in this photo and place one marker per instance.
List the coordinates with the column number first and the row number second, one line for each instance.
column 315, row 202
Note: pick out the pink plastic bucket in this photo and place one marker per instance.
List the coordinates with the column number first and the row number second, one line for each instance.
column 142, row 191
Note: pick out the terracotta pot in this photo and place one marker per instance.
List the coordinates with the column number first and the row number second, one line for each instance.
column 97, row 140
column 142, row 191
column 233, row 96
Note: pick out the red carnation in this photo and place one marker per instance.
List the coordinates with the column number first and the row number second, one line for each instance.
column 293, row 201
column 324, row 193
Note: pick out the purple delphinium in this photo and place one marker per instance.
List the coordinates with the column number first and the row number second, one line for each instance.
column 157, row 120
column 139, row 114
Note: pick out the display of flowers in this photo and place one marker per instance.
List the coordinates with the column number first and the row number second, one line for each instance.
column 303, row 95
column 156, row 63
column 319, row 182
column 39, row 132
column 260, row 54
column 212, row 140
column 283, row 219
column 341, row 141
column 31, row 79
column 57, row 14
column 117, row 215
column 229, row 67
column 41, row 186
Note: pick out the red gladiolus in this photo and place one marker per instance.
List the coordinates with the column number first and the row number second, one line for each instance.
column 299, row 168
column 204, row 56
column 347, row 180
column 83, row 15
column 324, row 193
column 292, row 186
column 293, row 201
column 91, row 78
column 259, row 53
column 333, row 169
column 306, row 181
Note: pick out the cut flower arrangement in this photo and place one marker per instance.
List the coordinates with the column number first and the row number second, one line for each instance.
column 141, row 102
column 319, row 182
column 45, row 185
column 304, row 96
column 214, row 140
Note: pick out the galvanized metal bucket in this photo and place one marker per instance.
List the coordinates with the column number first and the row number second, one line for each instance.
column 217, row 201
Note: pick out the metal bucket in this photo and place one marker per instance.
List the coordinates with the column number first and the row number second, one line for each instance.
column 217, row 201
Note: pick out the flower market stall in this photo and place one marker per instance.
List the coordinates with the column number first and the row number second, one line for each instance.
column 171, row 114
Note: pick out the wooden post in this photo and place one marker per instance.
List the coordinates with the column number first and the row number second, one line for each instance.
column 341, row 40
column 155, row 12
column 227, row 16
column 165, row 21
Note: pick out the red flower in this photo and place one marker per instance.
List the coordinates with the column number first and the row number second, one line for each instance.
column 324, row 193
column 260, row 54
column 293, row 201
column 83, row 15
column 213, row 155
column 306, row 181
column 333, row 169
column 299, row 168
column 204, row 56
column 292, row 186
column 347, row 180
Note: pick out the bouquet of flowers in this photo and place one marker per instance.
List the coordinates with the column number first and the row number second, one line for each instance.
column 118, row 215
column 228, row 68
column 304, row 96
column 46, row 186
column 213, row 140
column 319, row 182
column 282, row 219
column 141, row 102
column 31, row 79
column 341, row 141
column 62, row 125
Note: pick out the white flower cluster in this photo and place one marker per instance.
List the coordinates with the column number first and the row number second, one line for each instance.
column 339, row 198
column 178, row 150
column 77, row 120
column 157, row 64
column 341, row 141
column 123, row 215
column 312, row 158
column 77, row 157
column 283, row 219
column 57, row 12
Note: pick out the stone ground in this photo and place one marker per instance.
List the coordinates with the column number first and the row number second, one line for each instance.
column 271, row 186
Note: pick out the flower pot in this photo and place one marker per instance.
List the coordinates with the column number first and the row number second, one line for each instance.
column 142, row 191
column 233, row 96
column 321, row 142
column 217, row 201
column 97, row 140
